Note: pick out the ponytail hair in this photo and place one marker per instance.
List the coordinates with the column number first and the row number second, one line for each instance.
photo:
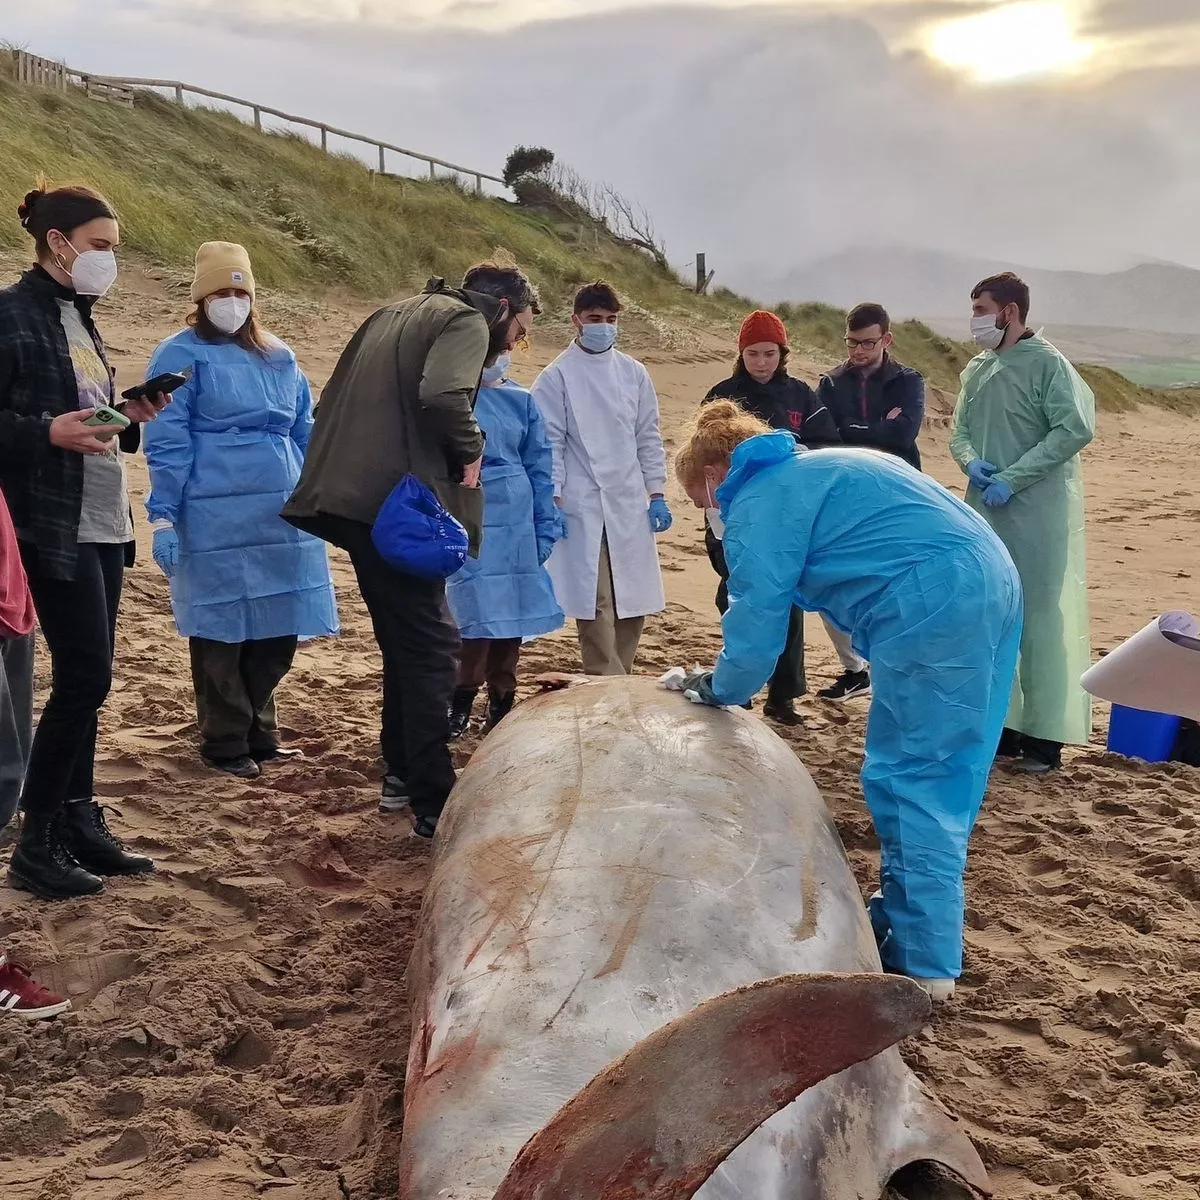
column 64, row 209
column 719, row 429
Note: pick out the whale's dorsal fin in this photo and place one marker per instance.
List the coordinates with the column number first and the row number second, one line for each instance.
column 660, row 1120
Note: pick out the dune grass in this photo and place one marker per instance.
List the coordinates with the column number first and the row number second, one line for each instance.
column 317, row 222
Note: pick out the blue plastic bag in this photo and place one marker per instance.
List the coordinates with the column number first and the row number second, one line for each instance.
column 415, row 534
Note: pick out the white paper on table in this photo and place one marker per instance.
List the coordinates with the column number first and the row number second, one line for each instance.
column 1156, row 670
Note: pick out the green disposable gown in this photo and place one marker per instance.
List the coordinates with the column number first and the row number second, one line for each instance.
column 1028, row 412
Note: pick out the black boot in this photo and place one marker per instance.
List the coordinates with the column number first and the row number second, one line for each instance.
column 460, row 711
column 499, row 706
column 40, row 865
column 86, row 837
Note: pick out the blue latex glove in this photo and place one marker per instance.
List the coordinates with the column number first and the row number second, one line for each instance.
column 660, row 515
column 980, row 472
column 698, row 689
column 562, row 525
column 166, row 550
column 545, row 547
column 997, row 494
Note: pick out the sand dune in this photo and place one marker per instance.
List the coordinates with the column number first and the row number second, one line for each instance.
column 241, row 1024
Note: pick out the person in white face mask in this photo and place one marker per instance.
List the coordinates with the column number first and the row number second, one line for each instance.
column 610, row 475
column 1023, row 417
column 245, row 585
column 64, row 481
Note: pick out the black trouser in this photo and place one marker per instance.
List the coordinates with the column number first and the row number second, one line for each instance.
column 789, row 680
column 1014, row 744
column 420, row 644
column 79, row 622
column 235, row 693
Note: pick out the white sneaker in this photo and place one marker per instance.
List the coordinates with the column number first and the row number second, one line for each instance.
column 938, row 990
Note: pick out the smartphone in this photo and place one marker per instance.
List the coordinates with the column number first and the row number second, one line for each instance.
column 166, row 384
column 107, row 419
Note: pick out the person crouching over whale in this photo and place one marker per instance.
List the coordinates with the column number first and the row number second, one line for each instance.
column 929, row 596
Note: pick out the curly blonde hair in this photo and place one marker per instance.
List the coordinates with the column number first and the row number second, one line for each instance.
column 718, row 430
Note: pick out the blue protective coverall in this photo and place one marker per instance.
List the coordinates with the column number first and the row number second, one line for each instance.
column 506, row 592
column 931, row 598
column 224, row 456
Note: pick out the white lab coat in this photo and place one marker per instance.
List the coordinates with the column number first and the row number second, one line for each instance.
column 601, row 414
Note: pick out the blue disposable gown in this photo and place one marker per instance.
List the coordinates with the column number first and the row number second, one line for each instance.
column 1028, row 412
column 931, row 598
column 224, row 456
column 505, row 593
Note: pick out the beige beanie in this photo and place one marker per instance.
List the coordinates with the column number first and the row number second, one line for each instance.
column 221, row 265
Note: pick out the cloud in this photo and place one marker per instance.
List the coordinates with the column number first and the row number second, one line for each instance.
column 765, row 136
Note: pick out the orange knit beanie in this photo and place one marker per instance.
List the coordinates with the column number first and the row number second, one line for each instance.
column 762, row 326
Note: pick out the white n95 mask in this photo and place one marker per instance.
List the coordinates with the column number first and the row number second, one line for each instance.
column 228, row 313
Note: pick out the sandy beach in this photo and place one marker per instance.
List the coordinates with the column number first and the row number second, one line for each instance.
column 241, row 1025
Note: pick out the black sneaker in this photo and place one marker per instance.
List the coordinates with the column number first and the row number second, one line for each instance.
column 276, row 754
column 460, row 712
column 86, row 837
column 1039, row 756
column 424, row 827
column 848, row 685
column 783, row 712
column 242, row 767
column 394, row 798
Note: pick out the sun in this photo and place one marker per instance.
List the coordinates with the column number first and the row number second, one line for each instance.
column 1012, row 41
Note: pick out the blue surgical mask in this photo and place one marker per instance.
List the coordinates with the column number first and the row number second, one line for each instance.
column 497, row 371
column 597, row 338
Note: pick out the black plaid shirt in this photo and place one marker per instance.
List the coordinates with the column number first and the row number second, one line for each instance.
column 42, row 484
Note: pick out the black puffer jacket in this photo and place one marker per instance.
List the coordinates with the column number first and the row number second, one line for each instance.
column 783, row 403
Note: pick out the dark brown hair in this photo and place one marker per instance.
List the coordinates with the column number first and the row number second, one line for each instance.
column 597, row 295
column 1005, row 288
column 739, row 368
column 250, row 337
column 63, row 209
column 503, row 281
column 863, row 316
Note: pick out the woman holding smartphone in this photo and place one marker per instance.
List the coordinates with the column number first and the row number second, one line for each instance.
column 64, row 479
column 245, row 585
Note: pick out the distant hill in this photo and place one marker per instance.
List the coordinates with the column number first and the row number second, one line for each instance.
column 931, row 285
column 317, row 223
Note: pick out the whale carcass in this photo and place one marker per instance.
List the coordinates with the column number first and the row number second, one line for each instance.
column 643, row 969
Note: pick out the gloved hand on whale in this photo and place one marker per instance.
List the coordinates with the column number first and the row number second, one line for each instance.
column 696, row 685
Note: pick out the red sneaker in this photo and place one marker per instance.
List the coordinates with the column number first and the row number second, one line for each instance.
column 22, row 996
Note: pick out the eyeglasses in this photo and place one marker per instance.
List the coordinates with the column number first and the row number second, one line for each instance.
column 523, row 342
column 862, row 343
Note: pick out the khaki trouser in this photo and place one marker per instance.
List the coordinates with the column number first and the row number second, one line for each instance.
column 841, row 644
column 609, row 643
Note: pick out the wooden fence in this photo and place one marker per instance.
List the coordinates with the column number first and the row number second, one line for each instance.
column 42, row 72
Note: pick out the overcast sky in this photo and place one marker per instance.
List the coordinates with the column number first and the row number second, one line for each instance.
column 766, row 134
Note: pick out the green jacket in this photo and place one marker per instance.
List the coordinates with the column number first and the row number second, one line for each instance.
column 400, row 402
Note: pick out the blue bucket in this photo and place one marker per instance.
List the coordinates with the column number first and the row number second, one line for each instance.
column 1146, row 735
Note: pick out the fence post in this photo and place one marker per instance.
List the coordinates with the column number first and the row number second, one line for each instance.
column 258, row 118
column 324, row 139
column 179, row 93
column 382, row 163
column 479, row 185
column 701, row 274
column 432, row 170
